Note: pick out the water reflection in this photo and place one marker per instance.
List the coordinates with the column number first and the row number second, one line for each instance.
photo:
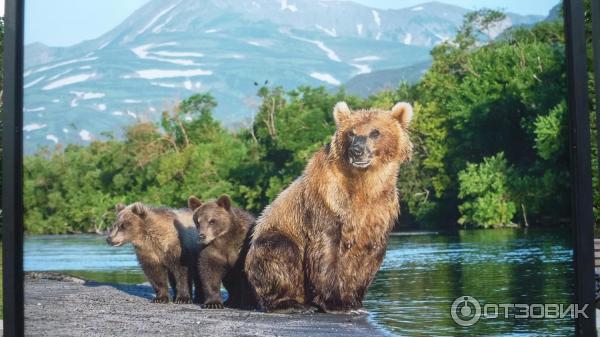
column 423, row 275
column 420, row 277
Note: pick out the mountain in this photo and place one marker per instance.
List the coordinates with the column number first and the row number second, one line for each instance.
column 364, row 85
column 170, row 49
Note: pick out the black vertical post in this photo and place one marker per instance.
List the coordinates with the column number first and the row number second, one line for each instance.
column 596, row 48
column 12, row 161
column 580, row 148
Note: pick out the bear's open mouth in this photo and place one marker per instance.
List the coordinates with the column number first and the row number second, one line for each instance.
column 360, row 163
column 116, row 244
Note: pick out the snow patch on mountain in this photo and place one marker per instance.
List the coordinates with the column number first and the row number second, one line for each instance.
column 325, row 78
column 41, row 108
column 367, row 58
column 158, row 16
column 85, row 135
column 417, row 9
column 34, row 82
column 286, row 6
column 132, row 101
column 407, row 38
column 65, row 130
column 359, row 28
column 177, row 53
column 330, row 32
column 69, row 80
column 362, row 68
column 210, row 31
column 64, row 63
column 330, row 53
column 152, row 74
column 52, row 138
column 87, row 95
column 33, row 127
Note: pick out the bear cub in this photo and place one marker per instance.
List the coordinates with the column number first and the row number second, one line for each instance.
column 223, row 231
column 166, row 245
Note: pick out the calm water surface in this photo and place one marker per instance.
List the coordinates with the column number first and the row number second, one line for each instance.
column 420, row 278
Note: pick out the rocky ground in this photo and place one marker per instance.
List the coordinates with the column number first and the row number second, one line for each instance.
column 59, row 305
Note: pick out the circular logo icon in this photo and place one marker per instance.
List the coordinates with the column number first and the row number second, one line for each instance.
column 465, row 311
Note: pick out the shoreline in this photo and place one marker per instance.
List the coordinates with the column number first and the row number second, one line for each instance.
column 71, row 306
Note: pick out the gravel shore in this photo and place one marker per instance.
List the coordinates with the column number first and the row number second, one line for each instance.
column 60, row 305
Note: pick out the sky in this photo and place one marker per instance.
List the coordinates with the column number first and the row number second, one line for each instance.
column 67, row 22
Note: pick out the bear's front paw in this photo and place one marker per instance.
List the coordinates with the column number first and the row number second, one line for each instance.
column 212, row 306
column 161, row 299
column 183, row 300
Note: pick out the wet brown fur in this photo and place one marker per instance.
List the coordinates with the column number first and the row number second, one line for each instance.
column 224, row 232
column 166, row 246
column 323, row 238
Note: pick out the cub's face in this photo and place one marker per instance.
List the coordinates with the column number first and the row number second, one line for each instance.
column 212, row 219
column 368, row 138
column 127, row 228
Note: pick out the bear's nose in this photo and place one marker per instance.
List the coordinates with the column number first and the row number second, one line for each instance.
column 357, row 147
column 356, row 150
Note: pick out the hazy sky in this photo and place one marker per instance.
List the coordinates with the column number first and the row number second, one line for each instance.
column 66, row 22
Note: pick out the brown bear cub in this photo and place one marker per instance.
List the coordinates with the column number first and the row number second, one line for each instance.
column 321, row 241
column 224, row 233
column 166, row 246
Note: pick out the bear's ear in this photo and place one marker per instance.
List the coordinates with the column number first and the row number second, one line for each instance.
column 403, row 113
column 119, row 207
column 341, row 112
column 194, row 203
column 224, row 201
column 139, row 209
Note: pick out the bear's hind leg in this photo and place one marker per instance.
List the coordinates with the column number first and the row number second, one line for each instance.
column 274, row 268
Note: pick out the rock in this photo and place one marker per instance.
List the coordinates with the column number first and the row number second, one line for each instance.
column 74, row 307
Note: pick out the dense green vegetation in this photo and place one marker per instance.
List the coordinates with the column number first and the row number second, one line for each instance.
column 489, row 132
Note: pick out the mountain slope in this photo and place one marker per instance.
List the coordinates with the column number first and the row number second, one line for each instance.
column 169, row 49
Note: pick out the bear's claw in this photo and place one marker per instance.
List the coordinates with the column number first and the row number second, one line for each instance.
column 162, row 299
column 212, row 306
column 183, row 300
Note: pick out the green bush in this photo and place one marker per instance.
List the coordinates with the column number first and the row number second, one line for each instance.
column 485, row 195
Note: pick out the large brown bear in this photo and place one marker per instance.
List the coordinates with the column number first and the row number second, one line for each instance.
column 166, row 244
column 224, row 232
column 321, row 241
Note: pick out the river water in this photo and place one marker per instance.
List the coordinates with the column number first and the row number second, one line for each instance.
column 413, row 292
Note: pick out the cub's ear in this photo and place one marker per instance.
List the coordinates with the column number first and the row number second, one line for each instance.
column 403, row 113
column 139, row 209
column 224, row 201
column 119, row 207
column 341, row 112
column 194, row 203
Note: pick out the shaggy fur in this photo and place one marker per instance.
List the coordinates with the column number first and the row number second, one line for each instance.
column 166, row 246
column 224, row 232
column 323, row 238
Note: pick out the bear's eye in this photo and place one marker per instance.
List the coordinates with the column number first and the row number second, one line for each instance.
column 374, row 134
column 211, row 221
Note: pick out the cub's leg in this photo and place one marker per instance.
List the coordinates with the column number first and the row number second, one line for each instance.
column 240, row 293
column 274, row 268
column 182, row 284
column 212, row 267
column 157, row 276
column 172, row 283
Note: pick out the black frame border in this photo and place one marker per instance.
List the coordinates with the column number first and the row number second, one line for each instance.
column 579, row 135
column 581, row 168
column 12, row 161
